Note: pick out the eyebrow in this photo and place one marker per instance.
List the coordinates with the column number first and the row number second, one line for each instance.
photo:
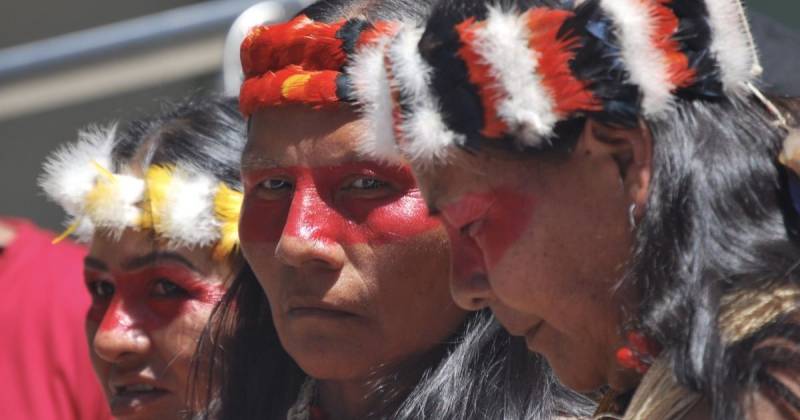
column 94, row 263
column 250, row 162
column 149, row 259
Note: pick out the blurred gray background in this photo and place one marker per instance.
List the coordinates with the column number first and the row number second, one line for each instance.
column 46, row 97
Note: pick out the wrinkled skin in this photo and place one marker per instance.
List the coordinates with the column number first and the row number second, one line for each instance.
column 543, row 242
column 354, row 268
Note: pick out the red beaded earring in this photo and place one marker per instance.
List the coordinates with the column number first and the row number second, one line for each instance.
column 639, row 354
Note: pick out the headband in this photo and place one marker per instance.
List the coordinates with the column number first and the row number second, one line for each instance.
column 303, row 61
column 182, row 205
column 514, row 76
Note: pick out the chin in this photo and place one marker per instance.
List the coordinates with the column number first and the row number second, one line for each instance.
column 331, row 358
column 168, row 409
column 577, row 376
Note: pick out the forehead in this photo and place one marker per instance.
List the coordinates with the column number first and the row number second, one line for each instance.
column 299, row 135
column 445, row 181
column 133, row 245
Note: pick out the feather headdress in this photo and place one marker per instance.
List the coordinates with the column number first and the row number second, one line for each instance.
column 182, row 206
column 514, row 75
column 302, row 61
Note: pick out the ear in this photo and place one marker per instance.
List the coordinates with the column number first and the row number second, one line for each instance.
column 632, row 150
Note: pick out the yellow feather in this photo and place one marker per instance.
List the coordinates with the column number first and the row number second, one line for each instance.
column 104, row 171
column 157, row 181
column 70, row 230
column 104, row 191
column 227, row 207
column 293, row 82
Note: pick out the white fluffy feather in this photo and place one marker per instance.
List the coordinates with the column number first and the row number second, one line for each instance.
column 526, row 106
column 426, row 136
column 370, row 82
column 188, row 218
column 121, row 209
column 645, row 63
column 69, row 172
column 732, row 43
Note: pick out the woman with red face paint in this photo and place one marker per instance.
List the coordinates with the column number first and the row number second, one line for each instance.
column 348, row 259
column 617, row 173
column 159, row 203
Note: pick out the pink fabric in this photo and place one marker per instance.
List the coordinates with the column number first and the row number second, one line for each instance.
column 45, row 371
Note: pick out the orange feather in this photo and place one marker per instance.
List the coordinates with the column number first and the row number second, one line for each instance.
column 480, row 75
column 570, row 94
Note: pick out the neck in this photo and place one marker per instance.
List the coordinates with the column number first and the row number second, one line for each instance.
column 344, row 399
column 357, row 399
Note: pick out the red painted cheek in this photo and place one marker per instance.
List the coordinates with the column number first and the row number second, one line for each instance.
column 262, row 220
column 501, row 215
column 401, row 218
column 506, row 221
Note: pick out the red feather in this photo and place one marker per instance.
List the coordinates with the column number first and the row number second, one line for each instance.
column 301, row 42
column 271, row 89
column 666, row 25
column 570, row 94
column 480, row 75
column 376, row 31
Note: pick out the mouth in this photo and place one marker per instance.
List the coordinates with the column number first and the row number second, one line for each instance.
column 318, row 310
column 131, row 398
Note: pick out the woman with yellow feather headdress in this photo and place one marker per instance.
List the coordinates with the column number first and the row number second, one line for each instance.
column 158, row 202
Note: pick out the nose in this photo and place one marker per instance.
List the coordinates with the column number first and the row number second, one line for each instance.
column 310, row 235
column 118, row 338
column 469, row 282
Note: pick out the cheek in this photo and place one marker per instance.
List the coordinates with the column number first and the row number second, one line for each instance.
column 137, row 310
column 402, row 219
column 261, row 220
column 505, row 223
column 412, row 275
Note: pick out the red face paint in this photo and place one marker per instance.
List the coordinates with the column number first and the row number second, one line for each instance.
column 497, row 219
column 322, row 204
column 139, row 299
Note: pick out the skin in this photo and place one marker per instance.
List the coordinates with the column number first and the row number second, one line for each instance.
column 543, row 242
column 150, row 304
column 354, row 268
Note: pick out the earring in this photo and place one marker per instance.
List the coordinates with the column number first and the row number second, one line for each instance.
column 632, row 216
column 639, row 354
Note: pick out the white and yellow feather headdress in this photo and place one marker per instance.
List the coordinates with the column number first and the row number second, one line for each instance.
column 182, row 205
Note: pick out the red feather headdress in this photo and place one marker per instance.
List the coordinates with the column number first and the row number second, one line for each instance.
column 302, row 61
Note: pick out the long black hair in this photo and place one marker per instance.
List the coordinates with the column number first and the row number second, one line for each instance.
column 719, row 235
column 205, row 134
column 480, row 372
column 719, row 223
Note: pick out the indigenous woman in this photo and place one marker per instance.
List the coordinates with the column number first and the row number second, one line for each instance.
column 158, row 203
column 610, row 179
column 352, row 266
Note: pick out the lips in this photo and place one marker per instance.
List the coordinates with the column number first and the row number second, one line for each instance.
column 305, row 308
column 135, row 396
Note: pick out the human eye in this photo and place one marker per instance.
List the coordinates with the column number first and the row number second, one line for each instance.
column 167, row 289
column 100, row 289
column 275, row 184
column 367, row 184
